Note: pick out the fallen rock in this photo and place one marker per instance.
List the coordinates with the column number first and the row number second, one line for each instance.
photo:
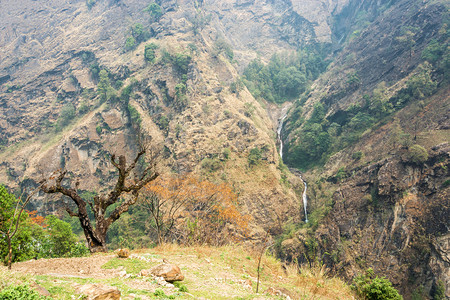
column 99, row 291
column 123, row 253
column 169, row 272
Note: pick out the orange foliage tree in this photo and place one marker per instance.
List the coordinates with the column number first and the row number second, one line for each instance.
column 192, row 211
column 36, row 219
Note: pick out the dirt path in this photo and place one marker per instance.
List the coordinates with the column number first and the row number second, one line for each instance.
column 68, row 267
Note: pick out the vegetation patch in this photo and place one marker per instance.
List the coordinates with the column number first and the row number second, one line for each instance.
column 286, row 76
column 131, row 265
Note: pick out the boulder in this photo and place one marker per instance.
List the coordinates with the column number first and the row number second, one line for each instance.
column 99, row 291
column 123, row 253
column 169, row 272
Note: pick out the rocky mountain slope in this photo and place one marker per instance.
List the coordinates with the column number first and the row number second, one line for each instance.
column 80, row 79
column 52, row 115
column 375, row 202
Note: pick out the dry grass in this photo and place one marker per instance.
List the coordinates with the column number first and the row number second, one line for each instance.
column 210, row 273
column 235, row 264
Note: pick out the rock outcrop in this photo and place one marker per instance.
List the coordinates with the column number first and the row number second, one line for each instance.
column 391, row 216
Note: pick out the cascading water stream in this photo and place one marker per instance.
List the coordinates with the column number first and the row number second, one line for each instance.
column 305, row 199
column 280, row 142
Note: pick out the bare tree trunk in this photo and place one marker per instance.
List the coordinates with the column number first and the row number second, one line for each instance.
column 9, row 252
column 96, row 237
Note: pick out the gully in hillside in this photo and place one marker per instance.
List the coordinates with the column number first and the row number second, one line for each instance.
column 280, row 141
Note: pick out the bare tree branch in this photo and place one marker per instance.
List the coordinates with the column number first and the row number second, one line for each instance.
column 96, row 237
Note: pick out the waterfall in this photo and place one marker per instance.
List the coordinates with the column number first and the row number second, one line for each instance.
column 305, row 199
column 280, row 127
column 280, row 142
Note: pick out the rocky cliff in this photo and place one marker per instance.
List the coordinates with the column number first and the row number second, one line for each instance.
column 79, row 79
column 376, row 205
column 53, row 115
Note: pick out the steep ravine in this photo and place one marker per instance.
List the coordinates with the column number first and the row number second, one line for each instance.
column 283, row 115
column 376, row 206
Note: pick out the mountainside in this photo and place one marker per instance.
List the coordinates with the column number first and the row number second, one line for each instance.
column 375, row 201
column 81, row 80
column 52, row 115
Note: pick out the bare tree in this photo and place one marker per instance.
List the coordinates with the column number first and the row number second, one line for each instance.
column 96, row 236
column 164, row 198
column 264, row 246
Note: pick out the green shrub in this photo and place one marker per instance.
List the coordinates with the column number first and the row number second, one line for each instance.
column 149, row 52
column 254, row 156
column 181, row 100
column 134, row 115
column 357, row 155
column 65, row 116
column 160, row 294
column 130, row 43
column 56, row 240
column 446, row 183
column 154, row 10
column 222, row 47
column 163, row 123
column 211, row 164
column 118, row 84
column 438, row 291
column 139, row 32
column 126, row 93
column 226, row 153
column 434, row 51
column 20, row 292
column 371, row 287
column 417, row 154
column 341, row 174
column 83, row 108
column 104, row 85
column 181, row 62
column 61, row 238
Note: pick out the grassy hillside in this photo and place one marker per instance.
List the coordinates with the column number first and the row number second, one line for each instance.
column 228, row 272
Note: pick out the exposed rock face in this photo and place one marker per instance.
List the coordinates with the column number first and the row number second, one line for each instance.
column 377, row 54
column 46, row 64
column 48, row 53
column 391, row 216
column 389, row 213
